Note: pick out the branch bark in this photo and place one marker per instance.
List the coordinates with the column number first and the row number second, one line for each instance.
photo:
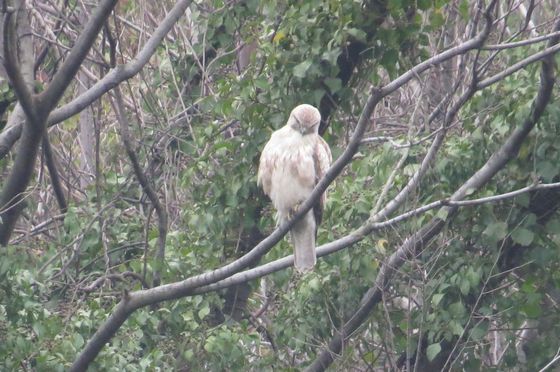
column 53, row 172
column 11, row 197
column 51, row 95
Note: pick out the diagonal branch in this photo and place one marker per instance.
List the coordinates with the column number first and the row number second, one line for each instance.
column 63, row 77
column 519, row 65
column 146, row 186
column 418, row 240
column 53, row 172
column 521, row 43
column 121, row 72
column 11, row 63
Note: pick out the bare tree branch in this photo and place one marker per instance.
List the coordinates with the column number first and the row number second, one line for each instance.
column 12, row 63
column 11, row 196
column 113, row 277
column 56, row 88
column 146, row 186
column 552, row 362
column 53, row 172
column 519, row 65
column 521, row 43
column 37, row 110
column 109, row 81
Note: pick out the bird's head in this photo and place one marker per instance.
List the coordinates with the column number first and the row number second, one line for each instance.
column 305, row 119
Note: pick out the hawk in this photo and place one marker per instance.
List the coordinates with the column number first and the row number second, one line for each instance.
column 291, row 164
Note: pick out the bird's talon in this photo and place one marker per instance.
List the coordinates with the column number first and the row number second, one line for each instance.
column 294, row 209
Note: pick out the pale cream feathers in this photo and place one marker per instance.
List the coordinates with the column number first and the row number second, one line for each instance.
column 292, row 162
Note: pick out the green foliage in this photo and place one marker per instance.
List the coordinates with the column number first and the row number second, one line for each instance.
column 453, row 288
column 433, row 350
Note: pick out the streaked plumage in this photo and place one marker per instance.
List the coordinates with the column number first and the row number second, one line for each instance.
column 292, row 162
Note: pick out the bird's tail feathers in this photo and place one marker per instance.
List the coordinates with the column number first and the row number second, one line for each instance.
column 303, row 239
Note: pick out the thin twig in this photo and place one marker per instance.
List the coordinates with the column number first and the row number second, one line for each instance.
column 146, row 186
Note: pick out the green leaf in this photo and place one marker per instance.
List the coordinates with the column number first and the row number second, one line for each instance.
column 442, row 214
column 39, row 329
column 547, row 170
column 478, row 332
column 437, row 19
column 486, row 311
column 369, row 357
column 395, row 5
column 457, row 310
column 522, row 236
column 456, row 328
column 262, row 84
column 357, row 34
column 424, row 4
column 301, row 69
column 436, row 299
column 473, row 276
column 203, row 312
column 210, row 344
column 528, row 286
column 464, row 9
column 390, row 60
column 532, row 309
column 331, row 56
column 432, row 351
column 553, row 226
column 334, row 84
column 523, row 200
column 496, row 230
column 78, row 341
column 188, row 354
column 465, row 286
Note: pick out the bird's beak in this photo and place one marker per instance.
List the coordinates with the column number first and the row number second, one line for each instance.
column 299, row 127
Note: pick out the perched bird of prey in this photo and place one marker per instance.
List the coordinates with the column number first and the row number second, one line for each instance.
column 292, row 162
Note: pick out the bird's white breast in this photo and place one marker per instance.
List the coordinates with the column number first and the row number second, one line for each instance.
column 293, row 171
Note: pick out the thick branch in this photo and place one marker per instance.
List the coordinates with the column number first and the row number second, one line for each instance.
column 63, row 77
column 180, row 289
column 53, row 172
column 471, row 44
column 11, row 197
column 11, row 63
column 121, row 72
